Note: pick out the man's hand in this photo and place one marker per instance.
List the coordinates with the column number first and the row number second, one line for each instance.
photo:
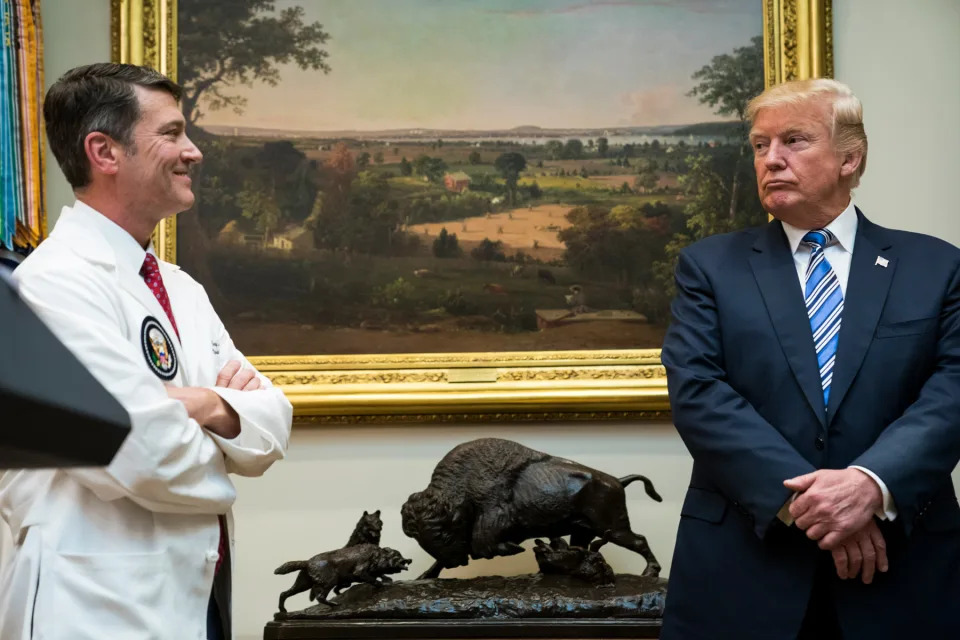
column 208, row 409
column 833, row 504
column 865, row 550
column 200, row 402
column 233, row 377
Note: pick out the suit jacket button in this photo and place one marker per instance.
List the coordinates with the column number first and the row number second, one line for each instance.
column 818, row 443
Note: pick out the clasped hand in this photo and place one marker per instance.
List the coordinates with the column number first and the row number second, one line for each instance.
column 208, row 408
column 836, row 508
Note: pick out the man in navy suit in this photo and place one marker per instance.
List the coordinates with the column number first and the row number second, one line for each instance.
column 814, row 374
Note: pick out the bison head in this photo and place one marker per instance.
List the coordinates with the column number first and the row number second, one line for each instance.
column 439, row 526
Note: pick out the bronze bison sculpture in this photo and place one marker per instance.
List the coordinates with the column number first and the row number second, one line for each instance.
column 487, row 496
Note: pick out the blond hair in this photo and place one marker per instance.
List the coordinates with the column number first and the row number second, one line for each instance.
column 846, row 128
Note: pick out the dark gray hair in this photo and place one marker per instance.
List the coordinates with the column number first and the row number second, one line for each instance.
column 96, row 97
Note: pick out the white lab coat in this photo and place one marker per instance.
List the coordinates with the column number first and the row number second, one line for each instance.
column 128, row 551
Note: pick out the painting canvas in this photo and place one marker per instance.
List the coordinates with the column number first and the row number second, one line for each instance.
column 428, row 176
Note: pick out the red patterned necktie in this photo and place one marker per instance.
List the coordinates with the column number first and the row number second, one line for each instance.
column 151, row 275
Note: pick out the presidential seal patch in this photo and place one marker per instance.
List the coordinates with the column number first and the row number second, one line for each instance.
column 158, row 349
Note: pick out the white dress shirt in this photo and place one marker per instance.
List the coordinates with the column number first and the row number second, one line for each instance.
column 839, row 255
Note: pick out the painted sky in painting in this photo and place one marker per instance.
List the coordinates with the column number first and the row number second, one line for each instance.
column 499, row 64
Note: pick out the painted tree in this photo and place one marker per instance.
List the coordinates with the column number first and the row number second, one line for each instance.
column 223, row 45
column 446, row 245
column 430, row 168
column 554, row 149
column 713, row 183
column 705, row 189
column 727, row 84
column 602, row 147
column 510, row 165
column 293, row 175
column 611, row 242
column 259, row 205
column 573, row 149
column 339, row 172
column 375, row 219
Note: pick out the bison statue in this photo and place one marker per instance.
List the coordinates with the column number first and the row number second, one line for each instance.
column 487, row 496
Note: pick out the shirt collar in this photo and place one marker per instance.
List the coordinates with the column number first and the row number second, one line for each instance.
column 844, row 227
column 129, row 254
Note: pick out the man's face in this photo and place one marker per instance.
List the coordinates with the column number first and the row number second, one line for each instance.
column 156, row 170
column 798, row 169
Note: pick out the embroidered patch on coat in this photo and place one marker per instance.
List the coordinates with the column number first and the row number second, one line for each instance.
column 158, row 349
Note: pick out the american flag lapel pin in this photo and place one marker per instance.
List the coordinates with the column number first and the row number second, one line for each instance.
column 881, row 261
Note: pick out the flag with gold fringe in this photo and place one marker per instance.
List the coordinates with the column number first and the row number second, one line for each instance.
column 22, row 208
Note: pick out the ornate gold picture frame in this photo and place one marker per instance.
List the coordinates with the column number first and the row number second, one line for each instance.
column 487, row 386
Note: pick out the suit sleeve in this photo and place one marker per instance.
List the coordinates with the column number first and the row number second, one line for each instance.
column 916, row 454
column 167, row 463
column 265, row 415
column 745, row 456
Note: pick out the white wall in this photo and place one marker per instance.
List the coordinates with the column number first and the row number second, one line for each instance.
column 75, row 32
column 901, row 59
column 891, row 52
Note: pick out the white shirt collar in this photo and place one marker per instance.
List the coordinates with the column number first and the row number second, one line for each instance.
column 129, row 254
column 844, row 227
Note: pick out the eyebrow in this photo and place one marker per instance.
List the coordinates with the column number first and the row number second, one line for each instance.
column 753, row 135
column 178, row 123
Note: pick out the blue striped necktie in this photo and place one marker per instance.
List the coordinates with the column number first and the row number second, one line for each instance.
column 824, row 300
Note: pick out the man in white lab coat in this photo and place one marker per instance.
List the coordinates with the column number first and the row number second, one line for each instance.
column 139, row 549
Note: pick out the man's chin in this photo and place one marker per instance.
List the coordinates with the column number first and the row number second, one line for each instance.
column 779, row 204
column 186, row 203
column 180, row 208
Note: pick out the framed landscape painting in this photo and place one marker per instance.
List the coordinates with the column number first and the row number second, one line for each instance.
column 424, row 210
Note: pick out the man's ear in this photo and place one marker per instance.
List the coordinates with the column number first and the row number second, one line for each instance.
column 103, row 153
column 851, row 164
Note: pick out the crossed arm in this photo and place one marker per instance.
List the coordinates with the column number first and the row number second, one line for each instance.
column 167, row 463
column 208, row 408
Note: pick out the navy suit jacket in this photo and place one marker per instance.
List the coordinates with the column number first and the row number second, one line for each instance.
column 747, row 402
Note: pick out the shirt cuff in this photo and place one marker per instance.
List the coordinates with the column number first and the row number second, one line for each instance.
column 889, row 509
column 784, row 514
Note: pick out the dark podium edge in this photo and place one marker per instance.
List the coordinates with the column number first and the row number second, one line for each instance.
column 543, row 628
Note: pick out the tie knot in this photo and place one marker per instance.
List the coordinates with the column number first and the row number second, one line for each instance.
column 150, row 266
column 819, row 237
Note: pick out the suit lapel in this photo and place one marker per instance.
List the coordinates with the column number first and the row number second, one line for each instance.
column 776, row 275
column 867, row 289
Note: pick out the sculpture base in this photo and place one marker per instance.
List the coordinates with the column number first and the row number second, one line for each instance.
column 413, row 629
column 529, row 606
